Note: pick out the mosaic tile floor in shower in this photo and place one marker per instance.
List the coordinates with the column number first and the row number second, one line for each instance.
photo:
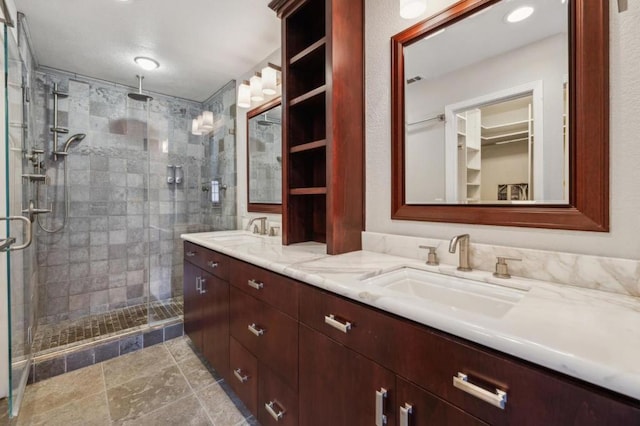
column 57, row 336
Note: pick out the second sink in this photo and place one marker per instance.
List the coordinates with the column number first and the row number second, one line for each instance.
column 450, row 292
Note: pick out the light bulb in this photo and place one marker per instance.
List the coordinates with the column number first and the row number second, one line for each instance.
column 410, row 9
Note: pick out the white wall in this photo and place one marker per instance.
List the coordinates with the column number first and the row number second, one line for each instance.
column 508, row 163
column 383, row 21
column 241, row 144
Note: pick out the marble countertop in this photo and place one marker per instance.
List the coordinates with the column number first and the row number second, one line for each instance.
column 587, row 334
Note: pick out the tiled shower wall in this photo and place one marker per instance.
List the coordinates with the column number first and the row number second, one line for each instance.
column 121, row 245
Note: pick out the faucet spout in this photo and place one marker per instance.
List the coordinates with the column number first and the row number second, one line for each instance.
column 262, row 230
column 463, row 242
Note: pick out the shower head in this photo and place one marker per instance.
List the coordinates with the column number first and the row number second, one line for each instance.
column 139, row 96
column 75, row 138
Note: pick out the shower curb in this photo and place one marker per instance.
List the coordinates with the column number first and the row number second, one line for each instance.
column 67, row 360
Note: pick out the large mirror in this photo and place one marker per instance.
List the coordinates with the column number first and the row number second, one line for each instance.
column 264, row 158
column 500, row 115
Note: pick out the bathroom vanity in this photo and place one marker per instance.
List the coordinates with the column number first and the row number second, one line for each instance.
column 310, row 339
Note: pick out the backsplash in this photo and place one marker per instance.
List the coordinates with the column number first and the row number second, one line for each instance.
column 614, row 275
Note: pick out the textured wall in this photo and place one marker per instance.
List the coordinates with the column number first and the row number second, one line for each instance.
column 122, row 241
column 383, row 21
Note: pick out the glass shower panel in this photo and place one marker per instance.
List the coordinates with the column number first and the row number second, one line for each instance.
column 21, row 181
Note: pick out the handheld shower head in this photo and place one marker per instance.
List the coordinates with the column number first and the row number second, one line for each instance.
column 75, row 138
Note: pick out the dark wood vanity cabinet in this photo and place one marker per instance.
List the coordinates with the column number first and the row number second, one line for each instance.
column 206, row 306
column 301, row 355
column 323, row 122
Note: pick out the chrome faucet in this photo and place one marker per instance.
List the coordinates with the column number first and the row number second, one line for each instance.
column 463, row 242
column 262, row 230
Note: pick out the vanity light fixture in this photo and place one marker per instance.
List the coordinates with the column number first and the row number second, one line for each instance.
column 244, row 95
column 519, row 14
column 146, row 63
column 255, row 83
column 203, row 124
column 270, row 79
column 410, row 9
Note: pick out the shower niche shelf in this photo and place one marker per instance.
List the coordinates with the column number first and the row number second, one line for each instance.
column 323, row 137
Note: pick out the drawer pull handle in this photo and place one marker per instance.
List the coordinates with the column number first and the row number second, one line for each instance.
column 255, row 330
column 199, row 285
column 255, row 284
column 497, row 399
column 190, row 253
column 241, row 377
column 202, row 283
column 381, row 418
column 277, row 415
column 212, row 264
column 333, row 322
column 405, row 412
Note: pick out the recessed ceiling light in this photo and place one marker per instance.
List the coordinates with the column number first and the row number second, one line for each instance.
column 520, row 14
column 146, row 63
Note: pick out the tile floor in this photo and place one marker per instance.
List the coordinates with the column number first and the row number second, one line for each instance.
column 166, row 384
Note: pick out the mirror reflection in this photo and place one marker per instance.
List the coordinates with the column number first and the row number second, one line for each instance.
column 264, row 151
column 486, row 108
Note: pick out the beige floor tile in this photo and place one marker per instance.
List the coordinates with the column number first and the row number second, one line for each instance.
column 145, row 394
column 137, row 364
column 181, row 349
column 220, row 408
column 49, row 394
column 184, row 412
column 89, row 411
column 197, row 373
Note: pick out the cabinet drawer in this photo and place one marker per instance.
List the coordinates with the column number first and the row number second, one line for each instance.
column 269, row 334
column 419, row 407
column 432, row 359
column 208, row 260
column 278, row 291
column 244, row 375
column 277, row 402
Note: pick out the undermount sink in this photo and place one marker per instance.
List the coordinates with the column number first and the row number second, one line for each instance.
column 451, row 292
column 240, row 237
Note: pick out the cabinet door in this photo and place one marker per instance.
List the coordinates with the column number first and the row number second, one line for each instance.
column 419, row 407
column 215, row 322
column 339, row 386
column 192, row 304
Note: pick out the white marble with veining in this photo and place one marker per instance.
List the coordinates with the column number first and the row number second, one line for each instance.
column 588, row 334
column 609, row 274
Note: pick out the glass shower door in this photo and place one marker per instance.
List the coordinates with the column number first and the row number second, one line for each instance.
column 18, row 259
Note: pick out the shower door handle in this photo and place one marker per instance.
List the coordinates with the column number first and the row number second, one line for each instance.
column 7, row 245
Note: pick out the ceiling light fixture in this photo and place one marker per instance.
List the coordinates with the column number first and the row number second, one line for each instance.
column 520, row 14
column 410, row 9
column 265, row 83
column 146, row 63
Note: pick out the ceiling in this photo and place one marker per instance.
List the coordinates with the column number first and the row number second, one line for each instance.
column 484, row 35
column 200, row 44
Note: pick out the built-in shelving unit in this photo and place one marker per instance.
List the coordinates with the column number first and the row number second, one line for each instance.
column 323, row 138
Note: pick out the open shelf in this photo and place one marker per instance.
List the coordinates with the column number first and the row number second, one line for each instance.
column 308, row 191
column 309, row 146
column 309, row 95
column 316, row 49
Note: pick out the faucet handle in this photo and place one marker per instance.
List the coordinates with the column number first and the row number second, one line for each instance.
column 502, row 268
column 432, row 257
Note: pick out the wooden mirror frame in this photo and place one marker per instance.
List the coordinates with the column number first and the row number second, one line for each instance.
column 260, row 207
column 588, row 208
